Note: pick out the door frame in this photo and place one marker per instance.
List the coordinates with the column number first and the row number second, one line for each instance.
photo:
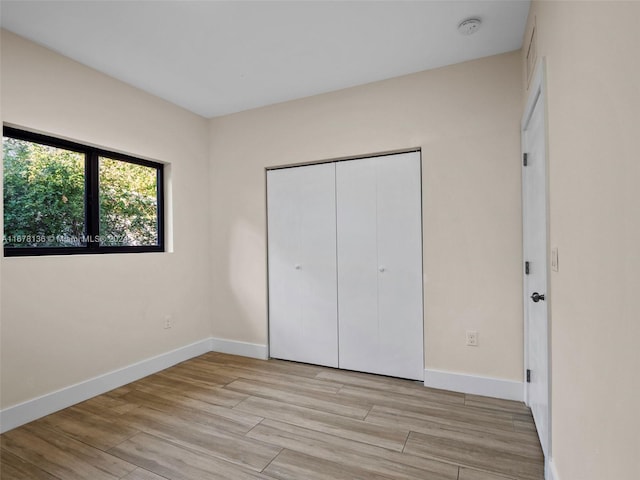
column 538, row 93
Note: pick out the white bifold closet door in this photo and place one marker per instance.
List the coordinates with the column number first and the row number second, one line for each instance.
column 303, row 324
column 379, row 231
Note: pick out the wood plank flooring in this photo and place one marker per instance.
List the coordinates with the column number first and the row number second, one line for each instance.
column 226, row 417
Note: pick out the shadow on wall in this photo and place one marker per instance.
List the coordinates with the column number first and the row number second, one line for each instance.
column 247, row 279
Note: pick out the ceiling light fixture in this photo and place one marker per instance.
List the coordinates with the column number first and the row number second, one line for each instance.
column 469, row 26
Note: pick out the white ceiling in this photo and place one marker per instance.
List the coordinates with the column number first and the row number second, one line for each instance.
column 220, row 57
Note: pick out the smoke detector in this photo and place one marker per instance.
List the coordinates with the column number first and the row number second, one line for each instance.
column 469, row 26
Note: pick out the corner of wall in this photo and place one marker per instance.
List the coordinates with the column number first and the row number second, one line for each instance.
column 35, row 408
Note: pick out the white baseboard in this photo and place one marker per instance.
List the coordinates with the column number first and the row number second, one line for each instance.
column 486, row 386
column 30, row 410
column 233, row 347
column 550, row 471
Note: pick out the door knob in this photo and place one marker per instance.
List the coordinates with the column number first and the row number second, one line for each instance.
column 536, row 297
column 381, row 269
column 298, row 266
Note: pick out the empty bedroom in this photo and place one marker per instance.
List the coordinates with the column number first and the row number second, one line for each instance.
column 320, row 240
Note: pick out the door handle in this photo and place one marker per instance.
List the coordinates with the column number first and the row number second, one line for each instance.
column 298, row 266
column 381, row 269
column 536, row 297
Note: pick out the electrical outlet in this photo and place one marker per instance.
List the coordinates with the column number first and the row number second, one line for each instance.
column 472, row 338
column 168, row 322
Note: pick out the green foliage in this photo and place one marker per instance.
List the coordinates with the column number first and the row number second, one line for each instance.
column 43, row 195
column 44, row 198
column 128, row 203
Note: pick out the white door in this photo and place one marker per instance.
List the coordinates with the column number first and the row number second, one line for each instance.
column 301, row 209
column 380, row 265
column 535, row 254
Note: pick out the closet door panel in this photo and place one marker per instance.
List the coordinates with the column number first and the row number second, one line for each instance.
column 380, row 265
column 399, row 239
column 302, row 264
column 357, row 264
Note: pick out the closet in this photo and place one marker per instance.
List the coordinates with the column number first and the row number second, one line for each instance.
column 345, row 264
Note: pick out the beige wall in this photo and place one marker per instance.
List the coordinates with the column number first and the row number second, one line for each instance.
column 107, row 310
column 593, row 84
column 466, row 120
column 67, row 319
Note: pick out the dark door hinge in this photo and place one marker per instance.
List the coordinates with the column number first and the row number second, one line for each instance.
column 528, row 376
column 526, row 268
column 524, row 159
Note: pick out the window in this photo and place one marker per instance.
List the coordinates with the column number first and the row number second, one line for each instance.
column 62, row 197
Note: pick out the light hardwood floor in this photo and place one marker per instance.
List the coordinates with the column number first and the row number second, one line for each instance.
column 226, row 417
